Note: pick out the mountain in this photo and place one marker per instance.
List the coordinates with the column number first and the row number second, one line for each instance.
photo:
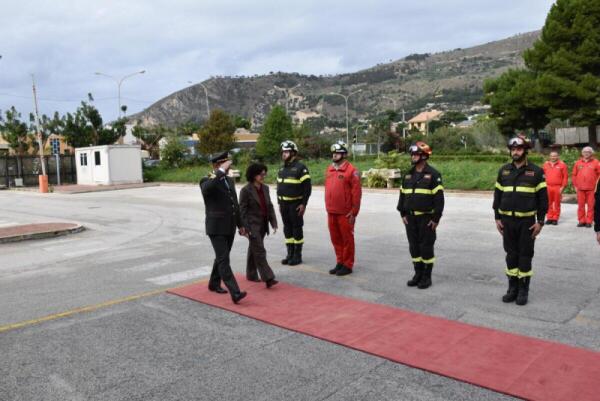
column 447, row 80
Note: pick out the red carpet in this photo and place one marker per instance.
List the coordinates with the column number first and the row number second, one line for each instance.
column 516, row 365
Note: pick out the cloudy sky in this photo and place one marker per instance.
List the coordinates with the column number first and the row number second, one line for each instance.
column 65, row 42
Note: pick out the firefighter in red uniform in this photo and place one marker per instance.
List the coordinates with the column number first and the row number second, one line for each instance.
column 342, row 201
column 597, row 210
column 585, row 175
column 557, row 178
column 421, row 205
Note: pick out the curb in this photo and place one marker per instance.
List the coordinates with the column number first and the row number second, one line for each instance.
column 43, row 234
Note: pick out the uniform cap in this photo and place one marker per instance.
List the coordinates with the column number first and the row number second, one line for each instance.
column 220, row 157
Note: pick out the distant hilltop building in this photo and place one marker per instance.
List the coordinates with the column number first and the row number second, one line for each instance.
column 421, row 121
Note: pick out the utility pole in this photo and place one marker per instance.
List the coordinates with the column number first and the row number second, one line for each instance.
column 43, row 179
column 346, row 101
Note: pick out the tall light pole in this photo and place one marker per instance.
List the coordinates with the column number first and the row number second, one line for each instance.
column 346, row 100
column 206, row 96
column 43, row 179
column 287, row 94
column 119, row 81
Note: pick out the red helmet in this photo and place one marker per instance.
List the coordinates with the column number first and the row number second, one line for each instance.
column 419, row 147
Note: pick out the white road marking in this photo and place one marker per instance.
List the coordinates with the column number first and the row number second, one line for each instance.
column 148, row 266
column 181, row 276
column 4, row 223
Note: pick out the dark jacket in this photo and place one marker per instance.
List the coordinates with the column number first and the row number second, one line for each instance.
column 251, row 212
column 293, row 183
column 221, row 204
column 521, row 192
column 422, row 193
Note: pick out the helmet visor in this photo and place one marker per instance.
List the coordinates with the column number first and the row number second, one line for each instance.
column 516, row 142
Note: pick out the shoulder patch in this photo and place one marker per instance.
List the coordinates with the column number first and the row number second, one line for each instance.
column 305, row 171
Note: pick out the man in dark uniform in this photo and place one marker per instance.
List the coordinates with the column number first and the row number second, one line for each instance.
column 421, row 205
column 293, row 191
column 222, row 218
column 520, row 206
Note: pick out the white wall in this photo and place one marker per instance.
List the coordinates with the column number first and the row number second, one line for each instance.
column 119, row 164
column 125, row 165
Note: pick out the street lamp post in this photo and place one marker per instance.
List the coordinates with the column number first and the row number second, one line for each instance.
column 206, row 97
column 119, row 82
column 346, row 100
column 287, row 94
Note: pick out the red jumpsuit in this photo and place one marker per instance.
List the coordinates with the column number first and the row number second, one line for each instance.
column 585, row 176
column 557, row 178
column 342, row 198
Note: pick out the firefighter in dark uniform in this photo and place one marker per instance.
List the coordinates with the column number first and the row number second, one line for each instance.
column 293, row 190
column 520, row 206
column 222, row 218
column 421, row 205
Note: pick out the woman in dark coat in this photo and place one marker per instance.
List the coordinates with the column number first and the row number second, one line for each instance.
column 257, row 211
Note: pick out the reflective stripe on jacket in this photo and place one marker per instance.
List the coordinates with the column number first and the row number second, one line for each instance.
column 293, row 183
column 520, row 192
column 422, row 193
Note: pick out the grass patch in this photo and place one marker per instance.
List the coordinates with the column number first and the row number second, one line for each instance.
column 460, row 172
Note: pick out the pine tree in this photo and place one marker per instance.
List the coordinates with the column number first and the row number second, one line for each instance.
column 276, row 129
column 217, row 135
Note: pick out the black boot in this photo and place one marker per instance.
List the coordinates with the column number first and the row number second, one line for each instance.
column 523, row 291
column 413, row 282
column 425, row 281
column 290, row 251
column 513, row 290
column 337, row 267
column 296, row 255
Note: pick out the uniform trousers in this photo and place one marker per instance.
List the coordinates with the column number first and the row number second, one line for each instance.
column 342, row 238
column 221, row 267
column 292, row 223
column 518, row 245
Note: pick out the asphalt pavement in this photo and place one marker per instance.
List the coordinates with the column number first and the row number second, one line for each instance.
column 85, row 317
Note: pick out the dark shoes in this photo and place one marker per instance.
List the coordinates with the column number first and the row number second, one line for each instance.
column 296, row 255
column 238, row 297
column 581, row 225
column 271, row 283
column 523, row 291
column 335, row 269
column 218, row 290
column 552, row 222
column 342, row 271
column 425, row 281
column 290, row 252
column 588, row 225
column 513, row 290
column 413, row 282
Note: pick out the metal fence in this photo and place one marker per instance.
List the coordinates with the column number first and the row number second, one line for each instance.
column 28, row 168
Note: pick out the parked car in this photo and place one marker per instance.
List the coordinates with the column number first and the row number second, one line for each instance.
column 151, row 162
